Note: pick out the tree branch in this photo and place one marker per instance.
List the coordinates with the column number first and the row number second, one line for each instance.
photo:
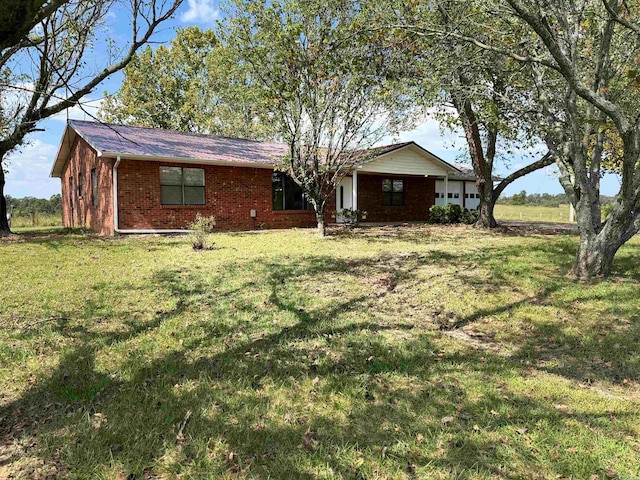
column 545, row 161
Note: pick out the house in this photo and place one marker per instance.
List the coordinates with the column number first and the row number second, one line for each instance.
column 124, row 179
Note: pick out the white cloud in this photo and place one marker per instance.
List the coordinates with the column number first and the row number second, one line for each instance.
column 29, row 168
column 200, row 11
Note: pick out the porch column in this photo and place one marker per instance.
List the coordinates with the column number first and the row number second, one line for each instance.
column 354, row 192
column 446, row 189
column 464, row 194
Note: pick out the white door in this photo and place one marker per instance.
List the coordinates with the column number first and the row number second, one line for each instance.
column 344, row 199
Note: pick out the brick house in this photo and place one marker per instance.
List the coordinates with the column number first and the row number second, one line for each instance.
column 123, row 179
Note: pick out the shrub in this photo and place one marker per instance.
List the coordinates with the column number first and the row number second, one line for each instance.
column 453, row 213
column 437, row 214
column 353, row 217
column 470, row 216
column 200, row 228
column 606, row 209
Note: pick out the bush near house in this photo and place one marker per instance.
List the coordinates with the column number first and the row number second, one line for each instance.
column 200, row 229
column 452, row 213
column 415, row 352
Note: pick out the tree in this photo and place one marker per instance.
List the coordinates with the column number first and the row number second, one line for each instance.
column 189, row 85
column 330, row 89
column 19, row 17
column 482, row 93
column 583, row 58
column 44, row 71
column 519, row 198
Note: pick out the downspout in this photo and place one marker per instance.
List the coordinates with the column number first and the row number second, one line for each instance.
column 115, row 209
column 115, row 194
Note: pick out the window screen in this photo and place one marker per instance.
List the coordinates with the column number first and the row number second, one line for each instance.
column 182, row 186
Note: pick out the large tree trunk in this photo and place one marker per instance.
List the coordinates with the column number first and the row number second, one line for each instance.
column 598, row 248
column 487, row 204
column 595, row 257
column 4, row 223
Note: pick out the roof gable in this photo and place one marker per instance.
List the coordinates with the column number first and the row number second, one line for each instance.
column 408, row 159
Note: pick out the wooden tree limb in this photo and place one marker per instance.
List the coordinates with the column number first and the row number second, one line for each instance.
column 545, row 161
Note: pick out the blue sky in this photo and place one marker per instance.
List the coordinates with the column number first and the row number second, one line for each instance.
column 30, row 165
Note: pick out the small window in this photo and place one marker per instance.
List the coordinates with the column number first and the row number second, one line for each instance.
column 392, row 192
column 94, row 187
column 456, row 195
column 182, row 186
column 80, row 184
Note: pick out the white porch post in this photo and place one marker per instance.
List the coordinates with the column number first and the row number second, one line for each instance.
column 354, row 192
column 446, row 189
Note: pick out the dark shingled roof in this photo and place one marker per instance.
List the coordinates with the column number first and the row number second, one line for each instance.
column 111, row 140
column 467, row 174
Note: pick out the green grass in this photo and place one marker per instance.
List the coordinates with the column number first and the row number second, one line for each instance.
column 39, row 221
column 417, row 352
column 529, row 213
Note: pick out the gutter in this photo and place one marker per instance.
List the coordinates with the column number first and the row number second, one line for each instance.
column 198, row 161
column 115, row 209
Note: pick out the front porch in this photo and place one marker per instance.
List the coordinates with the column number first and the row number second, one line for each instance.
column 398, row 185
column 386, row 198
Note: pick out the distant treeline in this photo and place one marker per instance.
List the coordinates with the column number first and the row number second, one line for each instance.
column 543, row 199
column 23, row 207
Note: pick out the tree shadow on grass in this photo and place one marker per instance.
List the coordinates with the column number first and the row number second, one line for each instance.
column 256, row 409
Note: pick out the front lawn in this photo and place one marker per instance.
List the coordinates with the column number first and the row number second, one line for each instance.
column 415, row 352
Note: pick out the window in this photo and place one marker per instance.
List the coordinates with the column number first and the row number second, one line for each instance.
column 453, row 195
column 392, row 192
column 80, row 184
column 341, row 196
column 287, row 194
column 182, row 186
column 94, row 187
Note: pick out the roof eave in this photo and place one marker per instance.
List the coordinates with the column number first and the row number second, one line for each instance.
column 164, row 158
column 63, row 156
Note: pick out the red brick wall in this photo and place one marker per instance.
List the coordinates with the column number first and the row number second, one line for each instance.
column 230, row 194
column 419, row 196
column 78, row 210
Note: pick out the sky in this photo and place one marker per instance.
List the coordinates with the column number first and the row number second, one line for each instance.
column 29, row 166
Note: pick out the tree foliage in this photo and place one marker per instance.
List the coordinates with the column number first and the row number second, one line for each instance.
column 582, row 57
column 332, row 91
column 484, row 94
column 190, row 85
column 45, row 70
column 25, row 206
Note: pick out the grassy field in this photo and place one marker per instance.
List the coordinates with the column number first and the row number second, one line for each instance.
column 530, row 213
column 37, row 221
column 417, row 352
